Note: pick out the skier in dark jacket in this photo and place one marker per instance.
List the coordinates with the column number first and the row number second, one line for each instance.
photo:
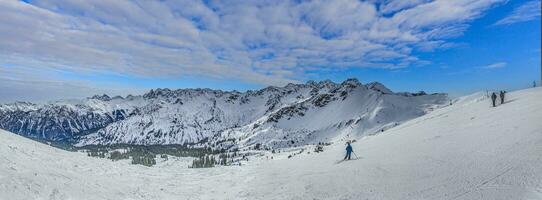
column 493, row 98
column 348, row 151
column 502, row 97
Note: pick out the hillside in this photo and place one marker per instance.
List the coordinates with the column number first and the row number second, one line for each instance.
column 275, row 117
column 465, row 151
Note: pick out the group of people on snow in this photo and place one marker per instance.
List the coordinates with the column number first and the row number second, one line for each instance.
column 502, row 94
column 494, row 97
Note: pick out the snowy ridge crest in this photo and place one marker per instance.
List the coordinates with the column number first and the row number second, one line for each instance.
column 295, row 114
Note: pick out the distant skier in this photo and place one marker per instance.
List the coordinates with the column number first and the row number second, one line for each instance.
column 348, row 151
column 493, row 98
column 502, row 97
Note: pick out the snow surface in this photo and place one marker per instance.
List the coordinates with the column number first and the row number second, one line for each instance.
column 465, row 151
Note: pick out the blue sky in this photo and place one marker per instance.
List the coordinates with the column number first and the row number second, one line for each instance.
column 72, row 49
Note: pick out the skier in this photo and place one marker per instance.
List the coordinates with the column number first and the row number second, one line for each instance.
column 493, row 98
column 348, row 151
column 502, row 97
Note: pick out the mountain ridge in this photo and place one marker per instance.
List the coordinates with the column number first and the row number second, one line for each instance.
column 165, row 116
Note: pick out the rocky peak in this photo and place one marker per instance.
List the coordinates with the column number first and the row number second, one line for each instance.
column 117, row 97
column 156, row 93
column 326, row 82
column 311, row 83
column 379, row 87
column 103, row 97
column 352, row 82
column 420, row 93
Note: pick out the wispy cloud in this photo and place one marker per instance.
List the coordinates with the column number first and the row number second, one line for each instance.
column 495, row 65
column 525, row 12
column 260, row 42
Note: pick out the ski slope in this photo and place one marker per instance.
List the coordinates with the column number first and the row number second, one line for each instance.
column 465, row 151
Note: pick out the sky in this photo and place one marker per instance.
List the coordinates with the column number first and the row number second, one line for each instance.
column 58, row 49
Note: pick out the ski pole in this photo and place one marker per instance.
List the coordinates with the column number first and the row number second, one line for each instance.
column 355, row 155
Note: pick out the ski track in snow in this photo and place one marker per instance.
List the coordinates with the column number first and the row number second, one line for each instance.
column 464, row 151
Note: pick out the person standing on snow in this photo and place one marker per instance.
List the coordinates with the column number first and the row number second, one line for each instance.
column 493, row 98
column 348, row 151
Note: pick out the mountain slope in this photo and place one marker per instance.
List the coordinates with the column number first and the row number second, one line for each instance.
column 348, row 111
column 293, row 115
column 465, row 151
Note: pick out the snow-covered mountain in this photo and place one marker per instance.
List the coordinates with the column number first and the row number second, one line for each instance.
column 469, row 150
column 274, row 116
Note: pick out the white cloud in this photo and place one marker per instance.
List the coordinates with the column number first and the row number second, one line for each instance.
column 262, row 42
column 495, row 65
column 526, row 12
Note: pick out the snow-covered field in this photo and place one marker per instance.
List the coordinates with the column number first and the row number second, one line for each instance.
column 465, row 151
